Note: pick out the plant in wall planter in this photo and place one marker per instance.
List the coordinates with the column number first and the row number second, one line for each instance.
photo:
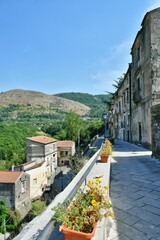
column 106, row 151
column 80, row 217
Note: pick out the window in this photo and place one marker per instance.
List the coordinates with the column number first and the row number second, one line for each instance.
column 127, row 96
column 124, row 121
column 138, row 84
column 34, row 181
column 124, row 98
column 139, row 53
column 54, row 147
column 119, row 106
column 23, row 186
column 128, row 120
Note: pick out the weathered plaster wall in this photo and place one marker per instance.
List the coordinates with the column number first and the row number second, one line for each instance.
column 155, row 57
column 141, row 86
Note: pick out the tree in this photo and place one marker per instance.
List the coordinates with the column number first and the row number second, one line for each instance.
column 13, row 142
column 53, row 128
column 119, row 81
column 8, row 220
column 72, row 125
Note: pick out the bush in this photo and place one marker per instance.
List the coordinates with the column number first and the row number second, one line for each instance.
column 9, row 217
column 37, row 208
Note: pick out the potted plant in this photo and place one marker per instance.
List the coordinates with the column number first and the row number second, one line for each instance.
column 106, row 151
column 80, row 217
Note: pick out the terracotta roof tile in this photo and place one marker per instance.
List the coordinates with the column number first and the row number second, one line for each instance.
column 65, row 143
column 42, row 139
column 9, row 177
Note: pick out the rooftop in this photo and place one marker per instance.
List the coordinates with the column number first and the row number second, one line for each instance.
column 30, row 165
column 42, row 139
column 65, row 143
column 9, row 177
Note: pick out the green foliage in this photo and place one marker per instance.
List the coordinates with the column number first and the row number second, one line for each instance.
column 77, row 165
column 97, row 103
column 13, row 136
column 42, row 115
column 88, row 207
column 72, row 125
column 26, row 113
column 118, row 81
column 13, row 142
column 37, row 208
column 9, row 217
column 53, row 128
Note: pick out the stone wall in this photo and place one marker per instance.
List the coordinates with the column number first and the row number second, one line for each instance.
column 156, row 131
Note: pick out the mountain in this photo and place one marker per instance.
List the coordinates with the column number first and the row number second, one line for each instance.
column 97, row 103
column 41, row 102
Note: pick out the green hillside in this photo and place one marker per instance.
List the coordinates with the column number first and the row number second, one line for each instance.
column 36, row 107
column 97, row 103
column 13, row 142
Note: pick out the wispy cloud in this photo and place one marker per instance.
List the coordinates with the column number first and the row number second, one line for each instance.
column 103, row 81
column 111, row 67
column 115, row 61
column 120, row 48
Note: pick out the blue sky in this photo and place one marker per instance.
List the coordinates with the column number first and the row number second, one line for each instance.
column 55, row 46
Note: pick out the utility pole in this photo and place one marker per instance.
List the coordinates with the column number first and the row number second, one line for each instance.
column 79, row 145
column 4, row 229
column 61, row 170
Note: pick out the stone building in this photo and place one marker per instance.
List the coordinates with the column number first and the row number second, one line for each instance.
column 15, row 191
column 137, row 119
column 42, row 148
column 66, row 150
column 121, row 109
column 145, row 78
column 38, row 177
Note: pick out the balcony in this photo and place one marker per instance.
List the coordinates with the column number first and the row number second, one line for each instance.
column 42, row 227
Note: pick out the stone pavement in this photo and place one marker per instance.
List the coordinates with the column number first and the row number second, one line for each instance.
column 134, row 193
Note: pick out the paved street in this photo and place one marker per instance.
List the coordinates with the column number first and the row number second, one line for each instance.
column 135, row 193
column 94, row 146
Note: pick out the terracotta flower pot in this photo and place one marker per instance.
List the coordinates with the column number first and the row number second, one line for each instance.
column 104, row 159
column 75, row 235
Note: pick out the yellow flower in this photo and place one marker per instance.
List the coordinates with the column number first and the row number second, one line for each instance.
column 92, row 194
column 94, row 203
column 89, row 184
column 97, row 181
column 111, row 214
column 104, row 192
